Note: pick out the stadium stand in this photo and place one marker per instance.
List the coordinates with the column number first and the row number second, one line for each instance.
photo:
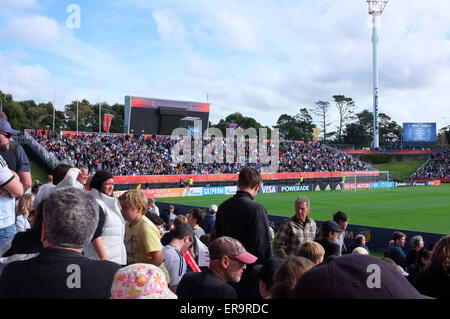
column 437, row 167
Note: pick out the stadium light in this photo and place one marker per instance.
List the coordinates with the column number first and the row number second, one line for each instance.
column 376, row 8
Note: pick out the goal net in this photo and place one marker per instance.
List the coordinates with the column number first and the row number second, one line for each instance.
column 358, row 180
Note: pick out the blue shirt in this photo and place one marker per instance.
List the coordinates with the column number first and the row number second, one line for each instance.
column 208, row 223
column 396, row 254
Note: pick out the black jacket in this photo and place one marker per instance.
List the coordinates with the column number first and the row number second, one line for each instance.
column 244, row 219
column 53, row 274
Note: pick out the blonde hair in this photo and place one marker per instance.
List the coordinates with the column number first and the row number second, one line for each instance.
column 360, row 251
column 180, row 219
column 136, row 199
column 311, row 250
column 24, row 204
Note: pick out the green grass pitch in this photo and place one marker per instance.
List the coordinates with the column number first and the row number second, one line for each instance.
column 424, row 209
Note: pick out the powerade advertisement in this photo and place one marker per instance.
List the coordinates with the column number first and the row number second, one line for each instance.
column 419, row 132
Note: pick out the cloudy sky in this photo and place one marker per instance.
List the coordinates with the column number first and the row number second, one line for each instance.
column 262, row 58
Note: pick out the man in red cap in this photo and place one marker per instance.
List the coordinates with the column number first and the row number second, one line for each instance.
column 228, row 260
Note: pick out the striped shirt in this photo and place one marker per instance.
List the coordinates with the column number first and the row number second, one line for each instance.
column 292, row 233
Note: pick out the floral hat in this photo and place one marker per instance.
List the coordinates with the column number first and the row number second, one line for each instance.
column 140, row 281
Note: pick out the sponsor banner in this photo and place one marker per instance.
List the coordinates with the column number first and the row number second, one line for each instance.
column 402, row 184
column 382, row 185
column 434, row 183
column 295, row 188
column 220, row 190
column 165, row 192
column 230, row 190
column 419, row 183
column 268, row 189
column 349, row 186
column 195, row 191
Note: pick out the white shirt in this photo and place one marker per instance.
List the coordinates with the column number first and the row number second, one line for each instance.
column 7, row 203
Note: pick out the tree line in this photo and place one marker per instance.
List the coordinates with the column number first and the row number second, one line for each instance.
column 351, row 127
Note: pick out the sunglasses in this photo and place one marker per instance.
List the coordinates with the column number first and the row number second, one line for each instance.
column 242, row 264
column 7, row 135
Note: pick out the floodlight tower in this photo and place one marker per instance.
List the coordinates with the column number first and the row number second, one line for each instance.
column 376, row 7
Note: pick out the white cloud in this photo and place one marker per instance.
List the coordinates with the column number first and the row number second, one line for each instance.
column 37, row 30
column 18, row 3
column 169, row 26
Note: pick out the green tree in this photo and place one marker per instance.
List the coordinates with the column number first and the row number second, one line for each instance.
column 288, row 127
column 390, row 131
column 86, row 116
column 346, row 107
column 356, row 134
column 321, row 109
column 242, row 121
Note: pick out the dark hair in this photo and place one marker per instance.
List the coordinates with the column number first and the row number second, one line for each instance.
column 249, row 177
column 269, row 271
column 99, row 178
column 59, row 172
column 183, row 230
column 288, row 274
column 155, row 219
column 397, row 235
column 359, row 238
column 198, row 214
column 340, row 216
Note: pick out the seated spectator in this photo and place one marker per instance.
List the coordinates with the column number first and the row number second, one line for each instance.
column 195, row 217
column 173, row 254
column 152, row 208
column 267, row 274
column 360, row 241
column 311, row 250
column 329, row 231
column 140, row 281
column 209, row 220
column 69, row 220
column 168, row 236
column 228, row 259
column 158, row 222
column 142, row 239
column 354, row 277
column 290, row 271
column 24, row 208
column 360, row 251
column 395, row 251
column 435, row 280
column 414, row 270
column 398, row 267
column 341, row 219
column 417, row 245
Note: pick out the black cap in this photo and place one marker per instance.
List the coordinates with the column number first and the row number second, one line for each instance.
column 99, row 178
column 354, row 277
column 330, row 225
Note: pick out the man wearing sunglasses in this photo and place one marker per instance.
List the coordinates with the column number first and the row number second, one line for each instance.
column 10, row 187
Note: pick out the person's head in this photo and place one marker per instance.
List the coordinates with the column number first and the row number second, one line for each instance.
column 330, row 230
column 228, row 258
column 183, row 237
column 417, row 242
column 292, row 269
column 151, row 202
column 134, row 205
column 59, row 172
column 341, row 219
column 171, row 209
column 70, row 218
column 35, row 188
column 25, row 205
column 399, row 238
column 267, row 275
column 440, row 256
column 36, row 217
column 360, row 239
column 249, row 179
column 195, row 216
column 83, row 176
column 311, row 250
column 103, row 181
column 354, row 276
column 49, row 178
column 158, row 221
column 302, row 208
column 6, row 133
column 424, row 257
column 140, row 281
column 179, row 220
column 213, row 209
column 360, row 251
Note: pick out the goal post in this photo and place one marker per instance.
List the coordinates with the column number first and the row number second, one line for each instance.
column 358, row 180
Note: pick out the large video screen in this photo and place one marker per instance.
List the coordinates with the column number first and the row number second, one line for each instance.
column 419, row 132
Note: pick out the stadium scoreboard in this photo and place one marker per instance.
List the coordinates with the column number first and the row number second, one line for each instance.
column 419, row 134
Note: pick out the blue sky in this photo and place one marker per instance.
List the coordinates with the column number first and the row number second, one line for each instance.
column 260, row 58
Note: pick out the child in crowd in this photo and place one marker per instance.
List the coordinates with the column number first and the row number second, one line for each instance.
column 311, row 250
column 142, row 238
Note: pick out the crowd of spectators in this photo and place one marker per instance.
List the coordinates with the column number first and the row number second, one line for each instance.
column 437, row 167
column 139, row 155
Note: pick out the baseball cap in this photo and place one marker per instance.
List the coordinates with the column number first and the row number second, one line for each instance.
column 140, row 281
column 213, row 208
column 6, row 127
column 227, row 246
column 354, row 277
column 330, row 225
column 171, row 206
